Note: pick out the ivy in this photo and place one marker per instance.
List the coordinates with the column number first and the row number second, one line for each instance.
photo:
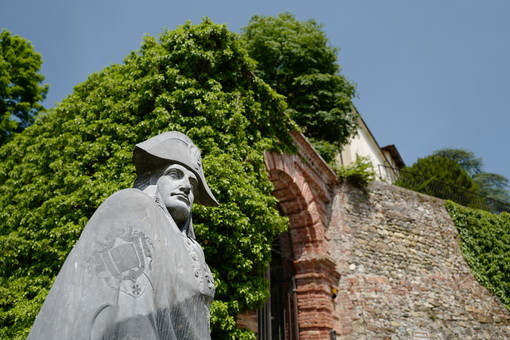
column 485, row 244
column 196, row 79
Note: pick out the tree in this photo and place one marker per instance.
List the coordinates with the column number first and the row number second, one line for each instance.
column 466, row 159
column 440, row 177
column 295, row 58
column 195, row 79
column 492, row 186
column 20, row 84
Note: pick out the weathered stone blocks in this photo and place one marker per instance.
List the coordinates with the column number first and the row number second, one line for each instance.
column 402, row 273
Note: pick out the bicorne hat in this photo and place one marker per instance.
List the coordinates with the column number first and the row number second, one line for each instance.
column 168, row 148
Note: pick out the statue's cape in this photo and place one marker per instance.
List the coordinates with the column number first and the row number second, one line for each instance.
column 131, row 275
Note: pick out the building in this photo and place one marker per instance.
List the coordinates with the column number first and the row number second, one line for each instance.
column 386, row 160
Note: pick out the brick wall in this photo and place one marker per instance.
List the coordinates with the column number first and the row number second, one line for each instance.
column 402, row 273
column 303, row 185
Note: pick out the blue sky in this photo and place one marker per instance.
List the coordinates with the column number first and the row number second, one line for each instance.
column 430, row 74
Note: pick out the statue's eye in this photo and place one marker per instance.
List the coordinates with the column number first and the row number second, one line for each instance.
column 175, row 174
column 194, row 183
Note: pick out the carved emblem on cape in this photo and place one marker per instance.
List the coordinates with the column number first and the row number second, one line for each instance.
column 124, row 260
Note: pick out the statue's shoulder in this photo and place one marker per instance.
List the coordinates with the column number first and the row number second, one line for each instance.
column 129, row 194
column 125, row 207
column 113, row 251
column 128, row 197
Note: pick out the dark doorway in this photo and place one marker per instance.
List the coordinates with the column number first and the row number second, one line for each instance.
column 277, row 319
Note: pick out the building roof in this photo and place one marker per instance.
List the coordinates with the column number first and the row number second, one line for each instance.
column 392, row 150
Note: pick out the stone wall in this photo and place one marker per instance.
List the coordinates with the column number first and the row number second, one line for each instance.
column 402, row 273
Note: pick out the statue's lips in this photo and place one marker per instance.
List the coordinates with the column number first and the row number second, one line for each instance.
column 181, row 196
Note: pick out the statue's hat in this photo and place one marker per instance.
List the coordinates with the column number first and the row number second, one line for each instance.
column 168, row 148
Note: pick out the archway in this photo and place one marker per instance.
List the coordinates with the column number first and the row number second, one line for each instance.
column 302, row 184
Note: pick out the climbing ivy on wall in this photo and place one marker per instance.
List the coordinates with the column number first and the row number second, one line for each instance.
column 196, row 79
column 485, row 244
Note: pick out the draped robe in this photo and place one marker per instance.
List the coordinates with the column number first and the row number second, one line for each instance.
column 132, row 275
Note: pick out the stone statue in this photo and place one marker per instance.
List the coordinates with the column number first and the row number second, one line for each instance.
column 137, row 272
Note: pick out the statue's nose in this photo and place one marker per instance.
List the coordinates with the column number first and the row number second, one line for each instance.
column 185, row 187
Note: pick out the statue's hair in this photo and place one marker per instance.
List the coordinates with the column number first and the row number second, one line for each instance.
column 149, row 178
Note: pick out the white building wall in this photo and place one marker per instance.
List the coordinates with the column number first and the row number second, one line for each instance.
column 364, row 145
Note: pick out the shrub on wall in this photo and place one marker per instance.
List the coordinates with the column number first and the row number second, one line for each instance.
column 485, row 244
column 360, row 173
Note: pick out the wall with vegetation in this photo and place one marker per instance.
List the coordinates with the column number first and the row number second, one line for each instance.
column 402, row 272
column 485, row 243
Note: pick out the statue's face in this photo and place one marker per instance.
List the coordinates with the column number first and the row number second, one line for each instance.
column 177, row 187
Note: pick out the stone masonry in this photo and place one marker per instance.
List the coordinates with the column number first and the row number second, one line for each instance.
column 402, row 273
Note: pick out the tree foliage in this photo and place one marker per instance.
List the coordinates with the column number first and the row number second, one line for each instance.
column 196, row 79
column 485, row 244
column 438, row 176
column 492, row 186
column 20, row 84
column 295, row 58
column 466, row 159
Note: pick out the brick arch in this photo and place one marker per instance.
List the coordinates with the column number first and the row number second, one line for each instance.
column 296, row 201
column 303, row 185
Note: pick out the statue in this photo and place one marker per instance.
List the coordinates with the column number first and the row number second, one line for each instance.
column 137, row 272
